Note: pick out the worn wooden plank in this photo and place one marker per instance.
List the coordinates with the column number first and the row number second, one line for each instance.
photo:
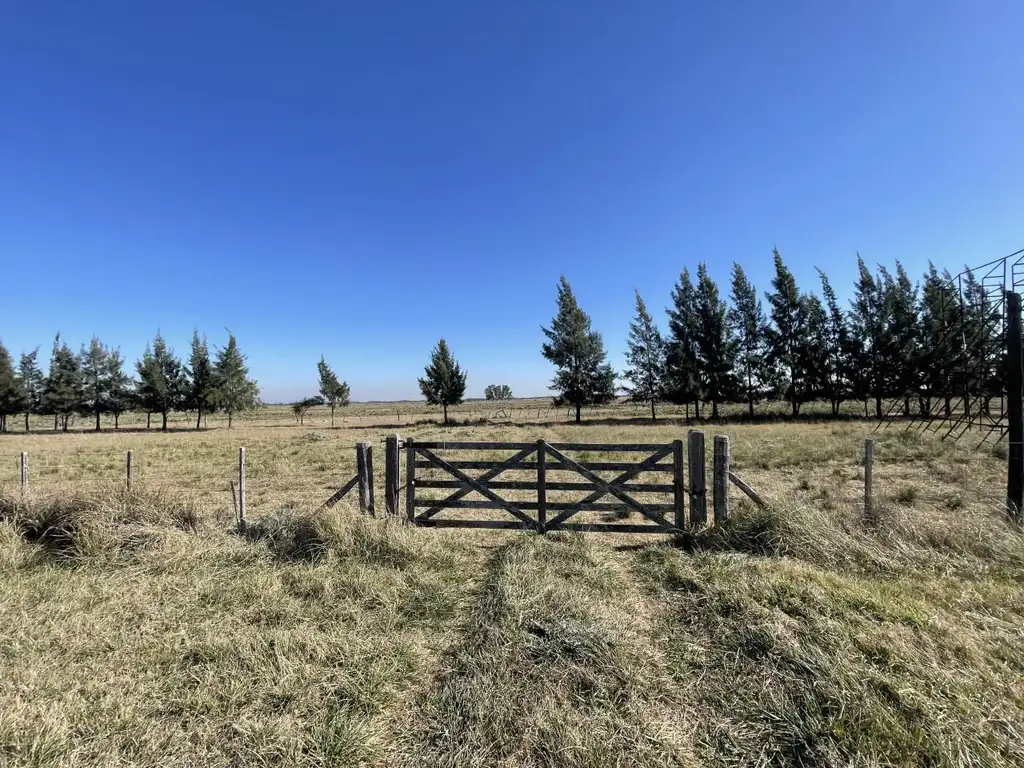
column 611, row 528
column 750, row 492
column 594, row 466
column 869, row 463
column 678, row 488
column 496, row 446
column 476, row 486
column 437, row 522
column 410, row 479
column 241, row 490
column 529, row 485
column 632, row 471
column 609, row 489
column 610, row 447
column 465, row 490
column 392, row 471
column 551, row 505
column 542, row 509
column 473, row 446
column 339, row 494
column 721, row 479
column 695, row 460
column 128, row 471
column 363, row 474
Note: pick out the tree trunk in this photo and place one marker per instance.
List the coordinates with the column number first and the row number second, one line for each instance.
column 199, row 418
column 97, row 421
column 906, row 405
column 332, row 415
column 696, row 409
column 64, row 422
column 654, row 416
column 714, row 409
column 795, row 404
column 26, row 422
column 164, row 427
column 865, row 407
column 948, row 406
column 577, row 413
column 878, row 407
column 55, row 417
column 750, row 407
column 117, row 421
column 687, row 413
column 230, row 417
column 148, row 417
column 444, row 406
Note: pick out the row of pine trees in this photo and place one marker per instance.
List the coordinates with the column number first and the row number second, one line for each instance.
column 94, row 382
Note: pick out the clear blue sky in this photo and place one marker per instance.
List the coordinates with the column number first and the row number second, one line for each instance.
column 360, row 179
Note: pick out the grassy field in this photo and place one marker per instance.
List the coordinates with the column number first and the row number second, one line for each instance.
column 141, row 630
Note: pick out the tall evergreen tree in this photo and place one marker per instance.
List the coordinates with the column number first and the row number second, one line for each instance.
column 200, row 395
column 583, row 377
column 814, row 351
column 95, row 379
column 443, row 382
column 682, row 373
column 645, row 357
column 120, row 387
column 716, row 345
column 748, row 325
column 234, row 391
column 869, row 330
column 162, row 385
column 836, row 366
column 787, row 336
column 32, row 384
column 11, row 392
column 940, row 340
column 334, row 391
column 63, row 393
column 904, row 335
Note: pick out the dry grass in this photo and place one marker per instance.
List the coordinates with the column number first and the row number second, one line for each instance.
column 139, row 629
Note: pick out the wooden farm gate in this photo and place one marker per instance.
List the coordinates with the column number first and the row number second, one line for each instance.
column 552, row 491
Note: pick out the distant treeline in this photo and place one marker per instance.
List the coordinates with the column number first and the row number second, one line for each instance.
column 917, row 341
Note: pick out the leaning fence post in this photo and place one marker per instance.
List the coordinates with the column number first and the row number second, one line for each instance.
column 410, row 480
column 392, row 470
column 678, row 485
column 698, row 498
column 23, row 466
column 128, row 471
column 721, row 479
column 869, row 459
column 542, row 490
column 241, row 490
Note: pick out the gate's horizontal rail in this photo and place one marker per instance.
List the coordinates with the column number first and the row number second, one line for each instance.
column 595, row 466
column 579, row 506
column 526, row 485
column 509, row 525
column 603, row 447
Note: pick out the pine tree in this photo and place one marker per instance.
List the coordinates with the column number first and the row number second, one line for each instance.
column 497, row 392
column 162, row 386
column 200, row 395
column 11, row 392
column 234, row 391
column 645, row 357
column 814, row 360
column 787, row 335
column 120, row 387
column 748, row 326
column 95, row 379
column 940, row 340
column 444, row 382
column 63, row 394
column 32, row 384
column 904, row 334
column 301, row 407
column 835, row 375
column 334, row 391
column 682, row 374
column 583, row 377
column 716, row 345
column 869, row 328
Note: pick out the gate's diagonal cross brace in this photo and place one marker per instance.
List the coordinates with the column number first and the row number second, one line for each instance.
column 477, row 486
column 626, row 476
column 606, row 488
column 488, row 475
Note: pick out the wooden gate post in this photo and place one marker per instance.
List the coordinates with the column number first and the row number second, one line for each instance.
column 721, row 479
column 129, row 466
column 241, row 490
column 678, row 485
column 542, row 491
column 392, row 471
column 410, row 479
column 1014, row 407
column 364, row 471
column 698, row 497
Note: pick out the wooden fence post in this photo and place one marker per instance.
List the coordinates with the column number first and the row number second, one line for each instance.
column 542, row 491
column 721, row 479
column 410, row 479
column 392, row 472
column 1014, row 407
column 678, row 485
column 23, row 467
column 869, row 460
column 128, row 471
column 241, row 490
column 364, row 471
column 698, row 498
